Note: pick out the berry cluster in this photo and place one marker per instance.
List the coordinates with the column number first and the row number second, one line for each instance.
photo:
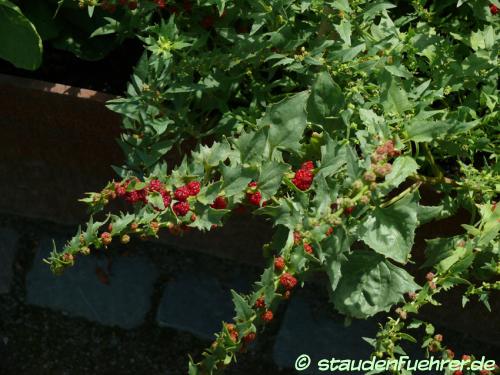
column 220, row 203
column 141, row 195
column 253, row 195
column 304, row 176
column 181, row 207
column 493, row 9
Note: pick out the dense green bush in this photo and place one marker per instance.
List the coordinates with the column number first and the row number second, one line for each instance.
column 327, row 118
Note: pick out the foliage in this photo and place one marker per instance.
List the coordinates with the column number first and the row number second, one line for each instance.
column 15, row 30
column 328, row 118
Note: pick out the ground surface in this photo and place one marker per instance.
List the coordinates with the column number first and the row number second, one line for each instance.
column 187, row 295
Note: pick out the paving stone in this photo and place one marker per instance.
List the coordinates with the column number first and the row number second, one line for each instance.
column 311, row 327
column 8, row 246
column 124, row 301
column 315, row 331
column 198, row 303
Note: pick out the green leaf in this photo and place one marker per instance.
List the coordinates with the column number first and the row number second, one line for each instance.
column 207, row 216
column 281, row 214
column 376, row 9
column 443, row 254
column 121, row 222
column 252, row 145
column 427, row 131
column 209, row 193
column 20, row 43
column 426, row 214
column 333, row 157
column 287, row 121
column 242, row 308
column 326, row 99
column 344, row 30
column 156, row 200
column 391, row 231
column 235, row 179
column 211, row 156
column 394, row 98
column 402, row 168
column 370, row 284
column 353, row 169
column 335, row 249
column 270, row 178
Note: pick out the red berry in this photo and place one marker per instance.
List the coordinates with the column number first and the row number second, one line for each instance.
column 220, row 203
column 155, row 185
column 234, row 336
column 457, row 372
column 249, row 338
column 308, row 165
column 182, row 193
column 296, row 238
column 484, row 372
column 493, row 9
column 465, row 357
column 106, row 238
column 193, row 188
column 288, row 281
column 160, row 3
column 349, row 210
column 267, row 316
column 303, row 179
column 121, row 189
column 252, row 184
column 308, row 248
column 132, row 5
column 329, row 231
column 166, row 197
column 279, row 263
column 260, row 303
column 254, row 198
column 181, row 208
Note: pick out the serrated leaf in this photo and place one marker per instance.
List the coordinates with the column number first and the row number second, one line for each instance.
column 235, row 179
column 241, row 307
column 353, row 168
column 287, row 121
column 326, row 99
column 252, row 145
column 156, row 200
column 394, row 97
column 370, row 284
column 402, row 168
column 332, row 157
column 427, row 131
column 335, row 248
column 270, row 178
column 391, row 231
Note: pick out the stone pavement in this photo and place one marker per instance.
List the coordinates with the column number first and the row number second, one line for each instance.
column 118, row 296
column 193, row 299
